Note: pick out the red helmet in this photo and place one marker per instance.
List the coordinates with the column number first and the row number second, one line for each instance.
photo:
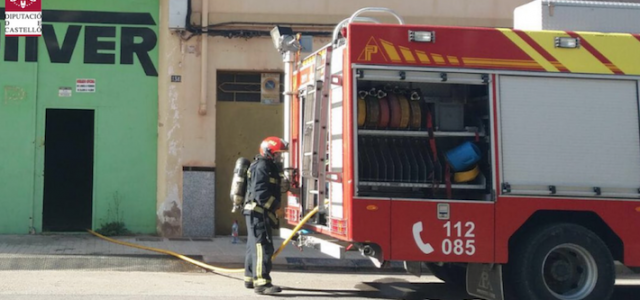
column 272, row 145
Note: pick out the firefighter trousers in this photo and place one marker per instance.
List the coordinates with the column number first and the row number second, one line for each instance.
column 257, row 263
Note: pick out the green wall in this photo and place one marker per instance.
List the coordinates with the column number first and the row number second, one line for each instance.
column 101, row 40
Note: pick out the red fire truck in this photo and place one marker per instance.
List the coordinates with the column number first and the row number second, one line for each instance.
column 506, row 160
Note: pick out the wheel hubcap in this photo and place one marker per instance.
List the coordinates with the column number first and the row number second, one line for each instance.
column 569, row 272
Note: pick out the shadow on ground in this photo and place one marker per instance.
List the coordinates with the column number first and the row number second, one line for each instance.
column 395, row 288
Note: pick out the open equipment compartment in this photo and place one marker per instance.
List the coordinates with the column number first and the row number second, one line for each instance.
column 422, row 134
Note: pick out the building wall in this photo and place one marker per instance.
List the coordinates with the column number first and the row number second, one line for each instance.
column 228, row 130
column 152, row 130
column 442, row 12
column 17, row 137
column 125, row 106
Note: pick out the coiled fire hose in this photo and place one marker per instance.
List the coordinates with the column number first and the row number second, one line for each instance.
column 201, row 264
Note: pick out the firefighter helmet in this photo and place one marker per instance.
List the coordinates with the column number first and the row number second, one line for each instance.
column 272, row 145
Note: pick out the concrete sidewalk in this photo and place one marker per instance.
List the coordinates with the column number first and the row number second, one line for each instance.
column 84, row 250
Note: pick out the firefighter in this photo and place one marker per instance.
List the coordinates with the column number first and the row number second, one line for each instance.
column 262, row 201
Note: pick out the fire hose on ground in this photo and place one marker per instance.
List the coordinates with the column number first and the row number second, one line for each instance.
column 201, row 264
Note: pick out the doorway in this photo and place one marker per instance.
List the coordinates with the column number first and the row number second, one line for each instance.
column 236, row 137
column 68, row 170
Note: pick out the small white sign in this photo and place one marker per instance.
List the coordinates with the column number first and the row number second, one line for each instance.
column 85, row 85
column 64, row 92
column 443, row 211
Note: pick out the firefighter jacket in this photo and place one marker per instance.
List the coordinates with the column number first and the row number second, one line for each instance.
column 263, row 190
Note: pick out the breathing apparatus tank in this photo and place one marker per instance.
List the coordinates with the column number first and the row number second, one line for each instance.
column 239, row 183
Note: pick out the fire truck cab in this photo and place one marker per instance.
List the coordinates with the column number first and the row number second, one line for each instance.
column 503, row 160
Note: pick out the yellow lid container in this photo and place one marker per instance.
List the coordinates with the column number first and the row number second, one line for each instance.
column 467, row 176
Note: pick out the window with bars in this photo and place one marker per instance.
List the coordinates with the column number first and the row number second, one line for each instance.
column 238, row 86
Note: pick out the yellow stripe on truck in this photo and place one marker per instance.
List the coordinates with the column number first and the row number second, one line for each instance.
column 408, row 55
column 528, row 50
column 391, row 51
column 422, row 56
column 576, row 60
column 615, row 47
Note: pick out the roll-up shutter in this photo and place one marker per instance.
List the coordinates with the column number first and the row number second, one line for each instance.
column 573, row 134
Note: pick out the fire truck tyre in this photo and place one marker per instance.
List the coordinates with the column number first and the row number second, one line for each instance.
column 452, row 274
column 561, row 261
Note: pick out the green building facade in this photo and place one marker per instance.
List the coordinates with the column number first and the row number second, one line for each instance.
column 78, row 118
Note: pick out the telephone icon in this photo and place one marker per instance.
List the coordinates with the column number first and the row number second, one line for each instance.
column 424, row 247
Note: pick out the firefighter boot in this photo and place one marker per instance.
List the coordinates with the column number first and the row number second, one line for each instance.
column 267, row 289
column 248, row 284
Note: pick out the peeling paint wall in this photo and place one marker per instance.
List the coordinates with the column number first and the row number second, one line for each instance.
column 170, row 139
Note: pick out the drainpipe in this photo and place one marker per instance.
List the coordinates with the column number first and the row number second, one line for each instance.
column 288, row 95
column 204, row 55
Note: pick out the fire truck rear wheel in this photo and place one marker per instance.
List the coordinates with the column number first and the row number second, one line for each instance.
column 452, row 274
column 563, row 262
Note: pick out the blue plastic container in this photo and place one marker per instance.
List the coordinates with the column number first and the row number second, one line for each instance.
column 463, row 157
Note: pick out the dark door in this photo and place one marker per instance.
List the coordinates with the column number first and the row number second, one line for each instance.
column 68, row 170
